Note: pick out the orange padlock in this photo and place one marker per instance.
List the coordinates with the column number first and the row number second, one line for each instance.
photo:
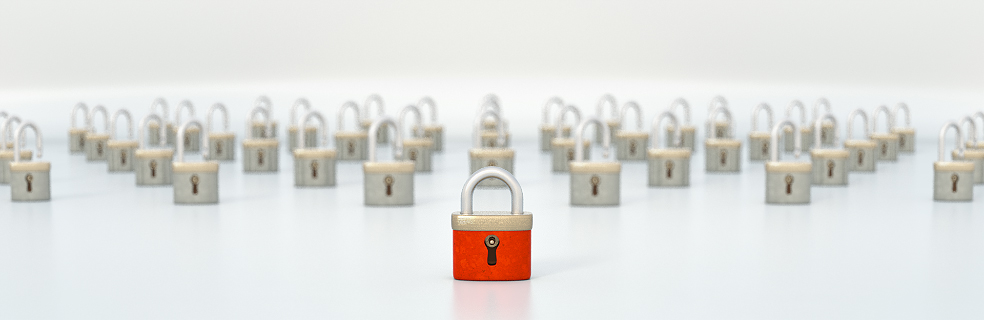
column 492, row 245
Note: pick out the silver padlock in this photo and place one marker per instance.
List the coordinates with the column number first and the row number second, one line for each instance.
column 688, row 132
column 613, row 123
column 975, row 156
column 382, row 136
column 758, row 141
column 95, row 143
column 952, row 180
column 827, row 132
column 862, row 151
column 418, row 149
column 7, row 131
column 489, row 134
column 724, row 153
column 260, row 155
column 76, row 134
column 494, row 138
column 787, row 182
column 546, row 128
column 631, row 145
column 195, row 182
column 310, row 133
column 907, row 134
column 805, row 127
column 980, row 143
column 594, row 183
column 221, row 145
column 121, row 152
column 720, row 127
column 481, row 155
column 314, row 167
column 829, row 165
column 153, row 165
column 433, row 130
column 351, row 145
column 193, row 138
column 264, row 129
column 888, row 143
column 562, row 147
column 157, row 135
column 29, row 180
column 387, row 183
column 670, row 166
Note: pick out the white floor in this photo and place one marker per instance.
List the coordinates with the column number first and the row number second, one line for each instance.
column 878, row 249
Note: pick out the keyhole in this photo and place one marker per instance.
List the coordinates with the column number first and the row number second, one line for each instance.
column 884, row 149
column 187, row 142
column 954, row 177
column 830, row 168
column 720, row 132
column 594, row 185
column 413, row 154
column 789, row 184
column 860, row 157
column 123, row 157
column 570, row 155
column 314, row 169
column 218, row 148
column 669, row 169
column 632, row 147
column 153, row 168
column 99, row 148
column 902, row 140
column 389, row 185
column 194, row 184
column 492, row 143
column 765, row 148
column 30, row 179
column 263, row 132
column 492, row 163
column 259, row 157
column 724, row 157
column 823, row 135
column 81, row 141
column 491, row 243
column 351, row 148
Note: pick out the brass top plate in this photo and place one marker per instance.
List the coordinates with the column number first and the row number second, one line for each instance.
column 415, row 142
column 314, row 153
column 351, row 134
column 492, row 221
column 154, row 153
column 257, row 143
column 207, row 166
column 723, row 143
column 774, row 166
column 632, row 134
column 122, row 143
column 830, row 153
column 30, row 166
column 674, row 153
column 595, row 167
column 860, row 144
column 491, row 152
column 388, row 167
column 962, row 166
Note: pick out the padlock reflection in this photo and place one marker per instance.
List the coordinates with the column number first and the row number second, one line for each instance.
column 670, row 166
column 787, row 182
column 479, row 300
column 594, row 183
column 953, row 180
column 482, row 155
column 29, row 180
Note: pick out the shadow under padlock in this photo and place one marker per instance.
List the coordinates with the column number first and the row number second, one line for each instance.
column 491, row 300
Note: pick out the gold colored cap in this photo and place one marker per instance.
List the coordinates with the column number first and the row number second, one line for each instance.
column 760, row 134
column 674, row 153
column 96, row 136
column 9, row 154
column 971, row 154
column 566, row 142
column 314, row 153
column 723, row 143
column 78, row 130
column 388, row 167
column 830, row 153
column 351, row 134
column 154, row 153
column 413, row 142
column 963, row 166
column 221, row 135
column 884, row 136
column 595, row 167
column 778, row 166
column 122, row 144
column 259, row 143
column 492, row 221
column 207, row 166
column 30, row 166
column 904, row 130
column 632, row 134
column 860, row 144
column 491, row 153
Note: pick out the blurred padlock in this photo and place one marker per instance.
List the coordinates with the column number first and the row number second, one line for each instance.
column 7, row 142
column 907, row 134
column 76, row 134
column 29, row 180
column 723, row 153
column 975, row 156
column 310, row 133
column 481, row 155
column 121, row 152
column 829, row 165
column 613, row 123
column 827, row 130
column 95, row 143
column 314, row 167
column 787, row 182
column 490, row 135
column 433, row 130
column 367, row 120
column 952, row 180
column 195, row 182
column 888, row 142
column 221, row 145
column 758, row 141
column 546, row 128
column 193, row 138
column 266, row 129
column 153, row 165
column 980, row 143
column 670, row 166
column 687, row 130
column 862, row 151
column 157, row 135
column 594, row 183
column 351, row 145
column 418, row 148
column 260, row 154
column 562, row 147
column 387, row 183
column 630, row 145
column 805, row 127
column 720, row 128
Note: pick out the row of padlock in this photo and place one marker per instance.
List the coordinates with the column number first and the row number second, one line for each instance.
column 954, row 180
column 29, row 180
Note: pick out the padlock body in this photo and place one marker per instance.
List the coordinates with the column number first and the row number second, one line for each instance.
column 196, row 182
column 687, row 136
column 907, row 139
column 548, row 132
column 723, row 156
column 76, row 140
column 669, row 167
column 351, row 145
column 96, row 148
column 490, row 139
column 513, row 259
column 6, row 157
column 310, row 137
column 382, row 135
column 154, row 134
column 595, row 183
column 314, row 168
column 887, row 146
column 121, row 156
column 221, row 146
column 192, row 139
column 975, row 156
column 829, row 167
column 788, row 182
column 613, row 126
column 35, row 188
column 388, row 183
column 789, row 139
column 758, row 146
column 953, row 181
column 260, row 156
column 420, row 151
column 436, row 134
column 563, row 153
column 491, row 157
column 721, row 130
column 862, row 155
column 631, row 145
column 827, row 134
column 153, row 167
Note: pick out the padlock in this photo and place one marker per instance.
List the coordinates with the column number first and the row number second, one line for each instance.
column 195, row 182
column 158, row 136
column 613, row 123
column 153, row 165
column 980, row 143
column 418, row 148
column 193, row 138
column 95, row 143
column 351, row 145
column 3, row 118
column 490, row 135
column 6, row 149
column 221, row 145
column 758, row 141
column 952, row 180
column 975, row 156
column 907, row 134
column 310, row 133
column 787, row 182
column 562, row 147
column 862, row 151
column 76, row 134
column 433, row 130
column 631, row 145
column 829, row 165
column 260, row 155
column 546, row 128
column 314, row 167
column 826, row 132
column 492, row 245
column 387, row 183
column 687, row 130
column 805, row 127
column 670, row 166
column 720, row 127
column 367, row 120
column 594, row 183
column 29, row 180
column 121, row 152
column 481, row 155
column 888, row 142
column 264, row 129
column 723, row 154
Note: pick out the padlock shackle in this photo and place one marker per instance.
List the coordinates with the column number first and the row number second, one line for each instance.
column 341, row 114
column 901, row 106
column 978, row 115
column 218, row 106
column 717, row 101
column 129, row 123
column 656, row 128
column 816, row 108
column 632, row 105
column 417, row 116
column 971, row 135
column 301, row 102
column 490, row 101
column 184, row 105
column 686, row 109
column 75, row 113
column 818, row 125
column 755, row 114
column 559, row 128
column 160, row 102
column 606, row 140
column 92, row 113
column 888, row 118
column 712, row 118
column 850, row 123
column 380, row 107
column 431, row 106
column 467, row 192
column 181, row 135
column 313, row 114
column 7, row 131
column 19, row 136
column 777, row 133
column 960, row 146
column 263, row 102
column 145, row 122
column 252, row 116
column 796, row 104
column 479, row 126
column 607, row 100
column 553, row 101
column 374, row 131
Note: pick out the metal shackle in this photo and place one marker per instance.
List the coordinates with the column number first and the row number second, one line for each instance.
column 431, row 106
column 796, row 104
column 971, row 135
column 818, row 124
column 314, row 114
column 341, row 113
column 554, row 101
column 380, row 108
column 816, row 108
column 19, row 136
column 777, row 133
column 606, row 135
column 75, row 113
column 129, row 123
column 717, row 101
column 888, row 118
column 252, row 115
column 978, row 115
column 850, row 123
column 713, row 117
column 7, row 131
column 490, row 101
column 901, row 106
column 160, row 102
column 677, row 139
column 755, row 114
column 500, row 129
column 397, row 139
column 607, row 100
column 301, row 102
column 218, row 106
column 419, row 118
column 686, row 109
column 263, row 102
column 143, row 129
column 960, row 146
column 181, row 135
column 92, row 113
column 633, row 106
column 559, row 128
column 185, row 104
column 491, row 172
